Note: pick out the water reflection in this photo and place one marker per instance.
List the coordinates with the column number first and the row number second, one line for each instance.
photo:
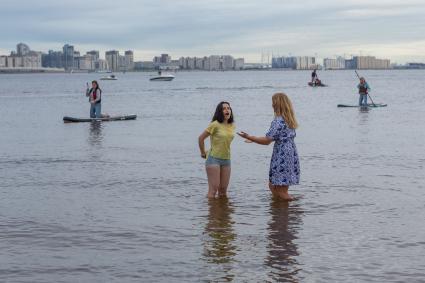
column 363, row 126
column 95, row 135
column 219, row 246
column 282, row 251
column 363, row 109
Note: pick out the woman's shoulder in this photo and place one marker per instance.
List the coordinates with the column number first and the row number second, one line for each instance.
column 278, row 120
column 214, row 123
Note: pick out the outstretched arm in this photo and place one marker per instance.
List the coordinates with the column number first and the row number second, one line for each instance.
column 201, row 140
column 259, row 140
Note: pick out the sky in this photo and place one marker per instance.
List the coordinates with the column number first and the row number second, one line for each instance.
column 391, row 29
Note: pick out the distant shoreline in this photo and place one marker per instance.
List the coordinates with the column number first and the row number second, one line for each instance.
column 59, row 71
column 29, row 71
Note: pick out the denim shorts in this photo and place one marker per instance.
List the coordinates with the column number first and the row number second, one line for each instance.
column 217, row 161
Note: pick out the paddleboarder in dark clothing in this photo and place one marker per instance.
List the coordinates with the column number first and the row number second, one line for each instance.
column 314, row 76
column 94, row 94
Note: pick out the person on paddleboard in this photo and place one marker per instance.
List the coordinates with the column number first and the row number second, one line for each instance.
column 314, row 76
column 94, row 94
column 364, row 89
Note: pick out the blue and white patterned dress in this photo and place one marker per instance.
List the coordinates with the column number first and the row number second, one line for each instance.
column 284, row 165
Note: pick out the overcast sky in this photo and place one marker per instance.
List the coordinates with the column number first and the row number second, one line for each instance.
column 384, row 28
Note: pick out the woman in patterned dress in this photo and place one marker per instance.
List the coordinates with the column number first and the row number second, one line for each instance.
column 284, row 165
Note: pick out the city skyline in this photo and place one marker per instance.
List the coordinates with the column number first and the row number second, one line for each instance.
column 71, row 59
column 96, row 53
column 384, row 28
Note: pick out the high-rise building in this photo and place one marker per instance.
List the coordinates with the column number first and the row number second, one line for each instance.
column 86, row 62
column 31, row 60
column 306, row 63
column 22, row 49
column 199, row 63
column 284, row 62
column 77, row 57
column 165, row 59
column 17, row 62
column 182, row 63
column 101, row 65
column 190, row 61
column 94, row 54
column 121, row 63
column 370, row 62
column 334, row 64
column 129, row 60
column 227, row 62
column 213, row 63
column 3, row 61
column 68, row 57
column 54, row 59
column 112, row 57
column 9, row 62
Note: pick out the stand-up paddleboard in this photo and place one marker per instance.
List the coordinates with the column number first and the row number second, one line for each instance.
column 368, row 105
column 105, row 119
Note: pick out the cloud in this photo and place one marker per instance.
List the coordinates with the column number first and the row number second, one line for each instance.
column 240, row 28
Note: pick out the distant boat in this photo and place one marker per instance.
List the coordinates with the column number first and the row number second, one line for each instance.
column 109, row 78
column 162, row 77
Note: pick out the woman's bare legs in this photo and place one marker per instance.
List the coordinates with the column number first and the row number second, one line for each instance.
column 272, row 188
column 224, row 180
column 281, row 192
column 213, row 175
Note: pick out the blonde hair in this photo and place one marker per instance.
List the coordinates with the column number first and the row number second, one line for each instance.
column 283, row 107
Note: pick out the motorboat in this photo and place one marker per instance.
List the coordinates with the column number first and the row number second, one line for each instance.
column 162, row 77
column 109, row 78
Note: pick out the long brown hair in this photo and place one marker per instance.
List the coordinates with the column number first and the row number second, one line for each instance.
column 219, row 116
column 282, row 107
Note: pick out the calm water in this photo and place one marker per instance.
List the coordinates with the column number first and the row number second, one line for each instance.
column 125, row 201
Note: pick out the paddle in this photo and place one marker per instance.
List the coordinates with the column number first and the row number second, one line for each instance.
column 367, row 93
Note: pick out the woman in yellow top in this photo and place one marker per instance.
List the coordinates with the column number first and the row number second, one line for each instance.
column 221, row 132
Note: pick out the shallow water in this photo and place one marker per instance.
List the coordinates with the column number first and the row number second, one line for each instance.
column 125, row 201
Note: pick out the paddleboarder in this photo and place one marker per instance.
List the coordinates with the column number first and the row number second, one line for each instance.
column 314, row 76
column 94, row 94
column 364, row 89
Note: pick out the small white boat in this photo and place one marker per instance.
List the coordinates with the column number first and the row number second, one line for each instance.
column 162, row 77
column 110, row 78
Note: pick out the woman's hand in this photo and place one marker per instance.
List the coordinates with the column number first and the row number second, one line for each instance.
column 204, row 155
column 245, row 136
